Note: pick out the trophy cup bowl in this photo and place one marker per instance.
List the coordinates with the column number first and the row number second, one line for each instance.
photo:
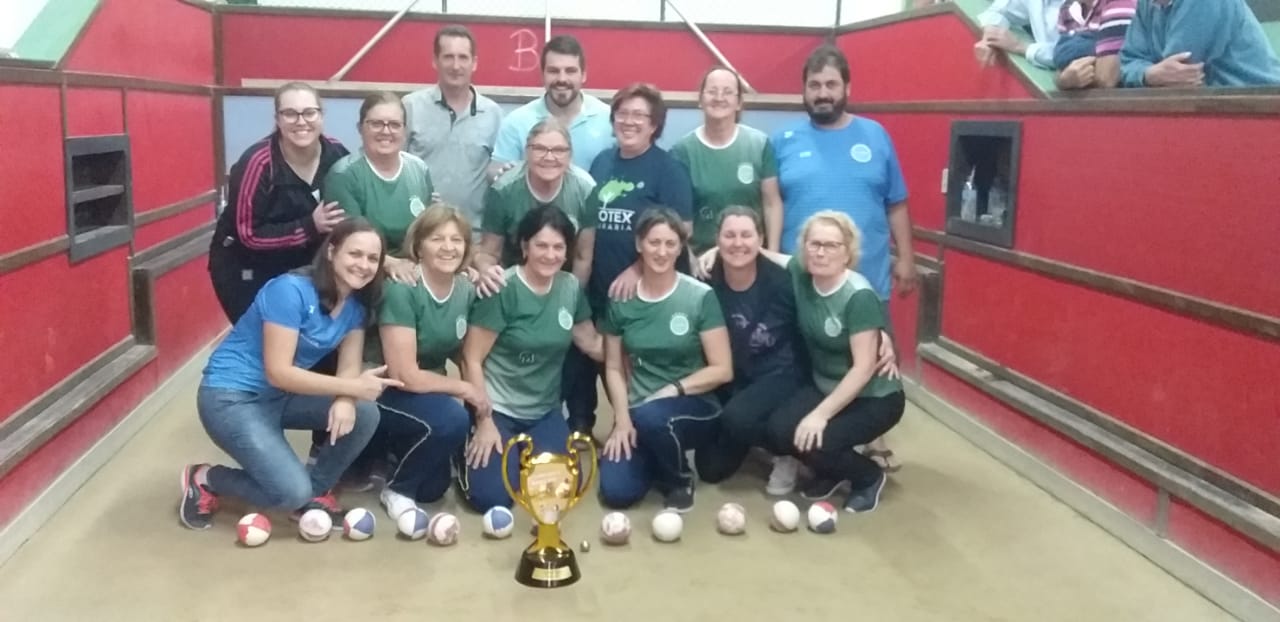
column 550, row 485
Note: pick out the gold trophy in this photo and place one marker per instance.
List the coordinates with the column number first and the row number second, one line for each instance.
column 550, row 485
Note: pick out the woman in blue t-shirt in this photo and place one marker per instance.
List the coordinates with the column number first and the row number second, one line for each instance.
column 258, row 384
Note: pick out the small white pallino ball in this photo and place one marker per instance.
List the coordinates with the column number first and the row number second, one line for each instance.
column 822, row 517
column 498, row 522
column 315, row 525
column 443, row 529
column 786, row 517
column 615, row 529
column 731, row 520
column 667, row 526
column 413, row 524
column 253, row 529
column 358, row 524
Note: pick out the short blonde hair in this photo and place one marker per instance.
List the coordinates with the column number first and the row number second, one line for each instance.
column 432, row 218
column 848, row 230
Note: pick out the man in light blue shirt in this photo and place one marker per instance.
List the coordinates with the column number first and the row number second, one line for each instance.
column 564, row 70
column 836, row 161
column 1041, row 16
column 1186, row 43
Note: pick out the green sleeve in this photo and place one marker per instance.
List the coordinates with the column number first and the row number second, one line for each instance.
column 431, row 187
column 609, row 323
column 397, row 308
column 680, row 152
column 338, row 186
column 709, row 314
column 494, row 218
column 769, row 164
column 863, row 312
column 583, row 312
column 487, row 312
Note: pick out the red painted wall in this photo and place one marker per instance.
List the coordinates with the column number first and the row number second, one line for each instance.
column 160, row 39
column 171, row 138
column 507, row 53
column 58, row 317
column 187, row 314
column 921, row 59
column 1214, row 542
column 151, row 234
column 32, row 181
column 94, row 112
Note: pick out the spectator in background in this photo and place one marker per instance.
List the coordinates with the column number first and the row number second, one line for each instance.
column 452, row 127
column 1091, row 33
column 564, row 71
column 1040, row 16
column 1182, row 44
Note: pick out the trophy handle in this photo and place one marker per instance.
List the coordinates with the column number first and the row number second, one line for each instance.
column 525, row 453
column 572, row 445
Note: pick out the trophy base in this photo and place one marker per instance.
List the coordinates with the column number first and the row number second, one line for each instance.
column 548, row 567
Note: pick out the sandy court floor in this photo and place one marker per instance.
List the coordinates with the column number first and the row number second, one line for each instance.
column 958, row 537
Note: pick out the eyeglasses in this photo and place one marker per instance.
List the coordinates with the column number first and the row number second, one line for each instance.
column 306, row 114
column 379, row 126
column 817, row 245
column 631, row 115
column 542, row 151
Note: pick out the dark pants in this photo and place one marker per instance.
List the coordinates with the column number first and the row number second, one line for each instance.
column 425, row 430
column 864, row 420
column 665, row 429
column 744, row 424
column 237, row 286
column 483, row 487
column 578, row 389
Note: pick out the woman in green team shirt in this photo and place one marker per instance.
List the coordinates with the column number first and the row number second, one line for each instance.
column 547, row 176
column 730, row 163
column 841, row 320
column 677, row 349
column 421, row 326
column 382, row 183
column 515, row 349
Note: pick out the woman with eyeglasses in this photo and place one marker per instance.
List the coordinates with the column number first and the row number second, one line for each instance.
column 729, row 163
column 381, row 182
column 546, row 176
column 275, row 220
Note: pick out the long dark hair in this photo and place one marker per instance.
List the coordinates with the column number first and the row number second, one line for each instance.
column 324, row 279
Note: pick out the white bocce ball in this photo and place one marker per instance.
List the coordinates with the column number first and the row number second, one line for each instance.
column 615, row 528
column 443, row 529
column 315, row 525
column 786, row 516
column 731, row 520
column 413, row 523
column 358, row 524
column 667, row 526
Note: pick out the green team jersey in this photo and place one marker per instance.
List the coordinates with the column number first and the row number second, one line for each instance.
column 390, row 204
column 663, row 338
column 509, row 199
column 522, row 371
column 440, row 323
column 724, row 176
column 828, row 321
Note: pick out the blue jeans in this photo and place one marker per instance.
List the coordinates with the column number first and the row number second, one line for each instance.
column 483, row 487
column 665, row 429
column 425, row 430
column 250, row 428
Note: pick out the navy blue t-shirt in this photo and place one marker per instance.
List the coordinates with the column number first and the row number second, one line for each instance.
column 763, row 331
column 625, row 188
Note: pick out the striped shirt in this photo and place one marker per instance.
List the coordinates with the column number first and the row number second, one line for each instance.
column 1108, row 20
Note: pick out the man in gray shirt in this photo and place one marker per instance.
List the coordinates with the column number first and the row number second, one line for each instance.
column 452, row 127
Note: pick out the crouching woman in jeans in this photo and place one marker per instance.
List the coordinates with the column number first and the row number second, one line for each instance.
column 257, row 384
column 677, row 351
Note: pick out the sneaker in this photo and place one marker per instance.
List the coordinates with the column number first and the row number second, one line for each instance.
column 782, row 479
column 396, row 503
column 820, row 488
column 326, row 502
column 679, row 499
column 198, row 504
column 868, row 498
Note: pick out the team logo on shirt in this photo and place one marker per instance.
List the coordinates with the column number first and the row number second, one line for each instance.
column 832, row 326
column 706, row 213
column 460, row 326
column 528, row 358
column 416, row 206
column 566, row 319
column 679, row 324
column 860, row 153
column 746, row 174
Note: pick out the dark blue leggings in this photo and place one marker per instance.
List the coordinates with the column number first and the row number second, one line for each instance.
column 665, row 429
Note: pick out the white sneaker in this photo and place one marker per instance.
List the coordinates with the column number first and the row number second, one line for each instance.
column 782, row 479
column 396, row 503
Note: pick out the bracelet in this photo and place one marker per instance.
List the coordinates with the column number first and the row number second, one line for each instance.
column 679, row 388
